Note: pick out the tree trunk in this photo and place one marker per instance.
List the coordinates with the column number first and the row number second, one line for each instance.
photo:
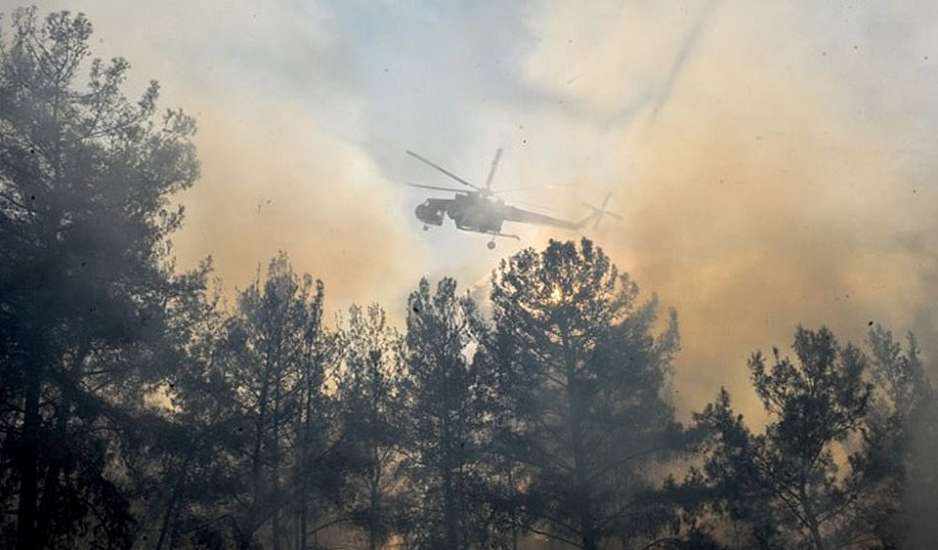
column 60, row 463
column 26, row 533
column 810, row 516
column 514, row 516
column 171, row 513
column 590, row 538
column 587, row 527
column 167, row 520
column 374, row 493
column 27, row 536
column 374, row 502
column 275, row 470
column 256, row 459
column 449, row 512
column 816, row 538
column 449, row 505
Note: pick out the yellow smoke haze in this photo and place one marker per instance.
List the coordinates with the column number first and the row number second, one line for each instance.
column 763, row 192
column 265, row 188
column 774, row 161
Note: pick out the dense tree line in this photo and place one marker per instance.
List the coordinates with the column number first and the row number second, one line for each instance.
column 138, row 411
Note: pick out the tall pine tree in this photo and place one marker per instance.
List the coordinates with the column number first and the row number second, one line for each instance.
column 585, row 380
column 783, row 482
column 370, row 393
column 446, row 409
column 86, row 274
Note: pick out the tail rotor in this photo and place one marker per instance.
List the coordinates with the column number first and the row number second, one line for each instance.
column 598, row 213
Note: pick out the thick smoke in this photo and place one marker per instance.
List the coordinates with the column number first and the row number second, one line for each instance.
column 778, row 178
column 278, row 115
column 773, row 163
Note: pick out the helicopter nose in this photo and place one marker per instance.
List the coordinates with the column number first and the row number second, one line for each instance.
column 424, row 213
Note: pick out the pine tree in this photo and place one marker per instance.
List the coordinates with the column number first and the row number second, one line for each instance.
column 277, row 358
column 898, row 489
column 784, row 481
column 370, row 394
column 446, row 423
column 86, row 274
column 585, row 381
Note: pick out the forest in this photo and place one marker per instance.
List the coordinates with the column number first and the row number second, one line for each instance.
column 140, row 409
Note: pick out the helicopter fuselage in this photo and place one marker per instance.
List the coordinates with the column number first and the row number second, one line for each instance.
column 481, row 211
column 469, row 212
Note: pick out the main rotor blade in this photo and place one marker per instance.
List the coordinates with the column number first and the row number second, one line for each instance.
column 435, row 188
column 537, row 208
column 530, row 188
column 441, row 169
column 488, row 180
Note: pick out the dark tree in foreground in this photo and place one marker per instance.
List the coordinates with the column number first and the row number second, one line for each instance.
column 251, row 450
column 446, row 422
column 895, row 468
column 370, row 394
column 585, row 381
column 86, row 278
column 783, row 482
column 189, row 432
column 277, row 357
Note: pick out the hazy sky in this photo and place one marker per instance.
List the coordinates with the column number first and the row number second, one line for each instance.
column 775, row 161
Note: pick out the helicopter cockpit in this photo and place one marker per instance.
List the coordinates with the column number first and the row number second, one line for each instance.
column 430, row 212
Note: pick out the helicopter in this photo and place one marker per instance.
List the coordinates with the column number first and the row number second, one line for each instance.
column 479, row 210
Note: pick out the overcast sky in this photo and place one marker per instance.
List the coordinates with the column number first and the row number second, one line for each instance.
column 774, row 161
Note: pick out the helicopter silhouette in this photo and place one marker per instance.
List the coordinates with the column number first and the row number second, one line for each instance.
column 479, row 210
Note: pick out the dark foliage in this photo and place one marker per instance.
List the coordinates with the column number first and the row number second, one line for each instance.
column 585, row 383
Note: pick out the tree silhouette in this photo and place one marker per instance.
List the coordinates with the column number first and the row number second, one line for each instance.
column 786, row 477
column 278, row 357
column 86, row 274
column 446, row 417
column 370, row 392
column 179, row 481
column 585, row 379
column 898, row 489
